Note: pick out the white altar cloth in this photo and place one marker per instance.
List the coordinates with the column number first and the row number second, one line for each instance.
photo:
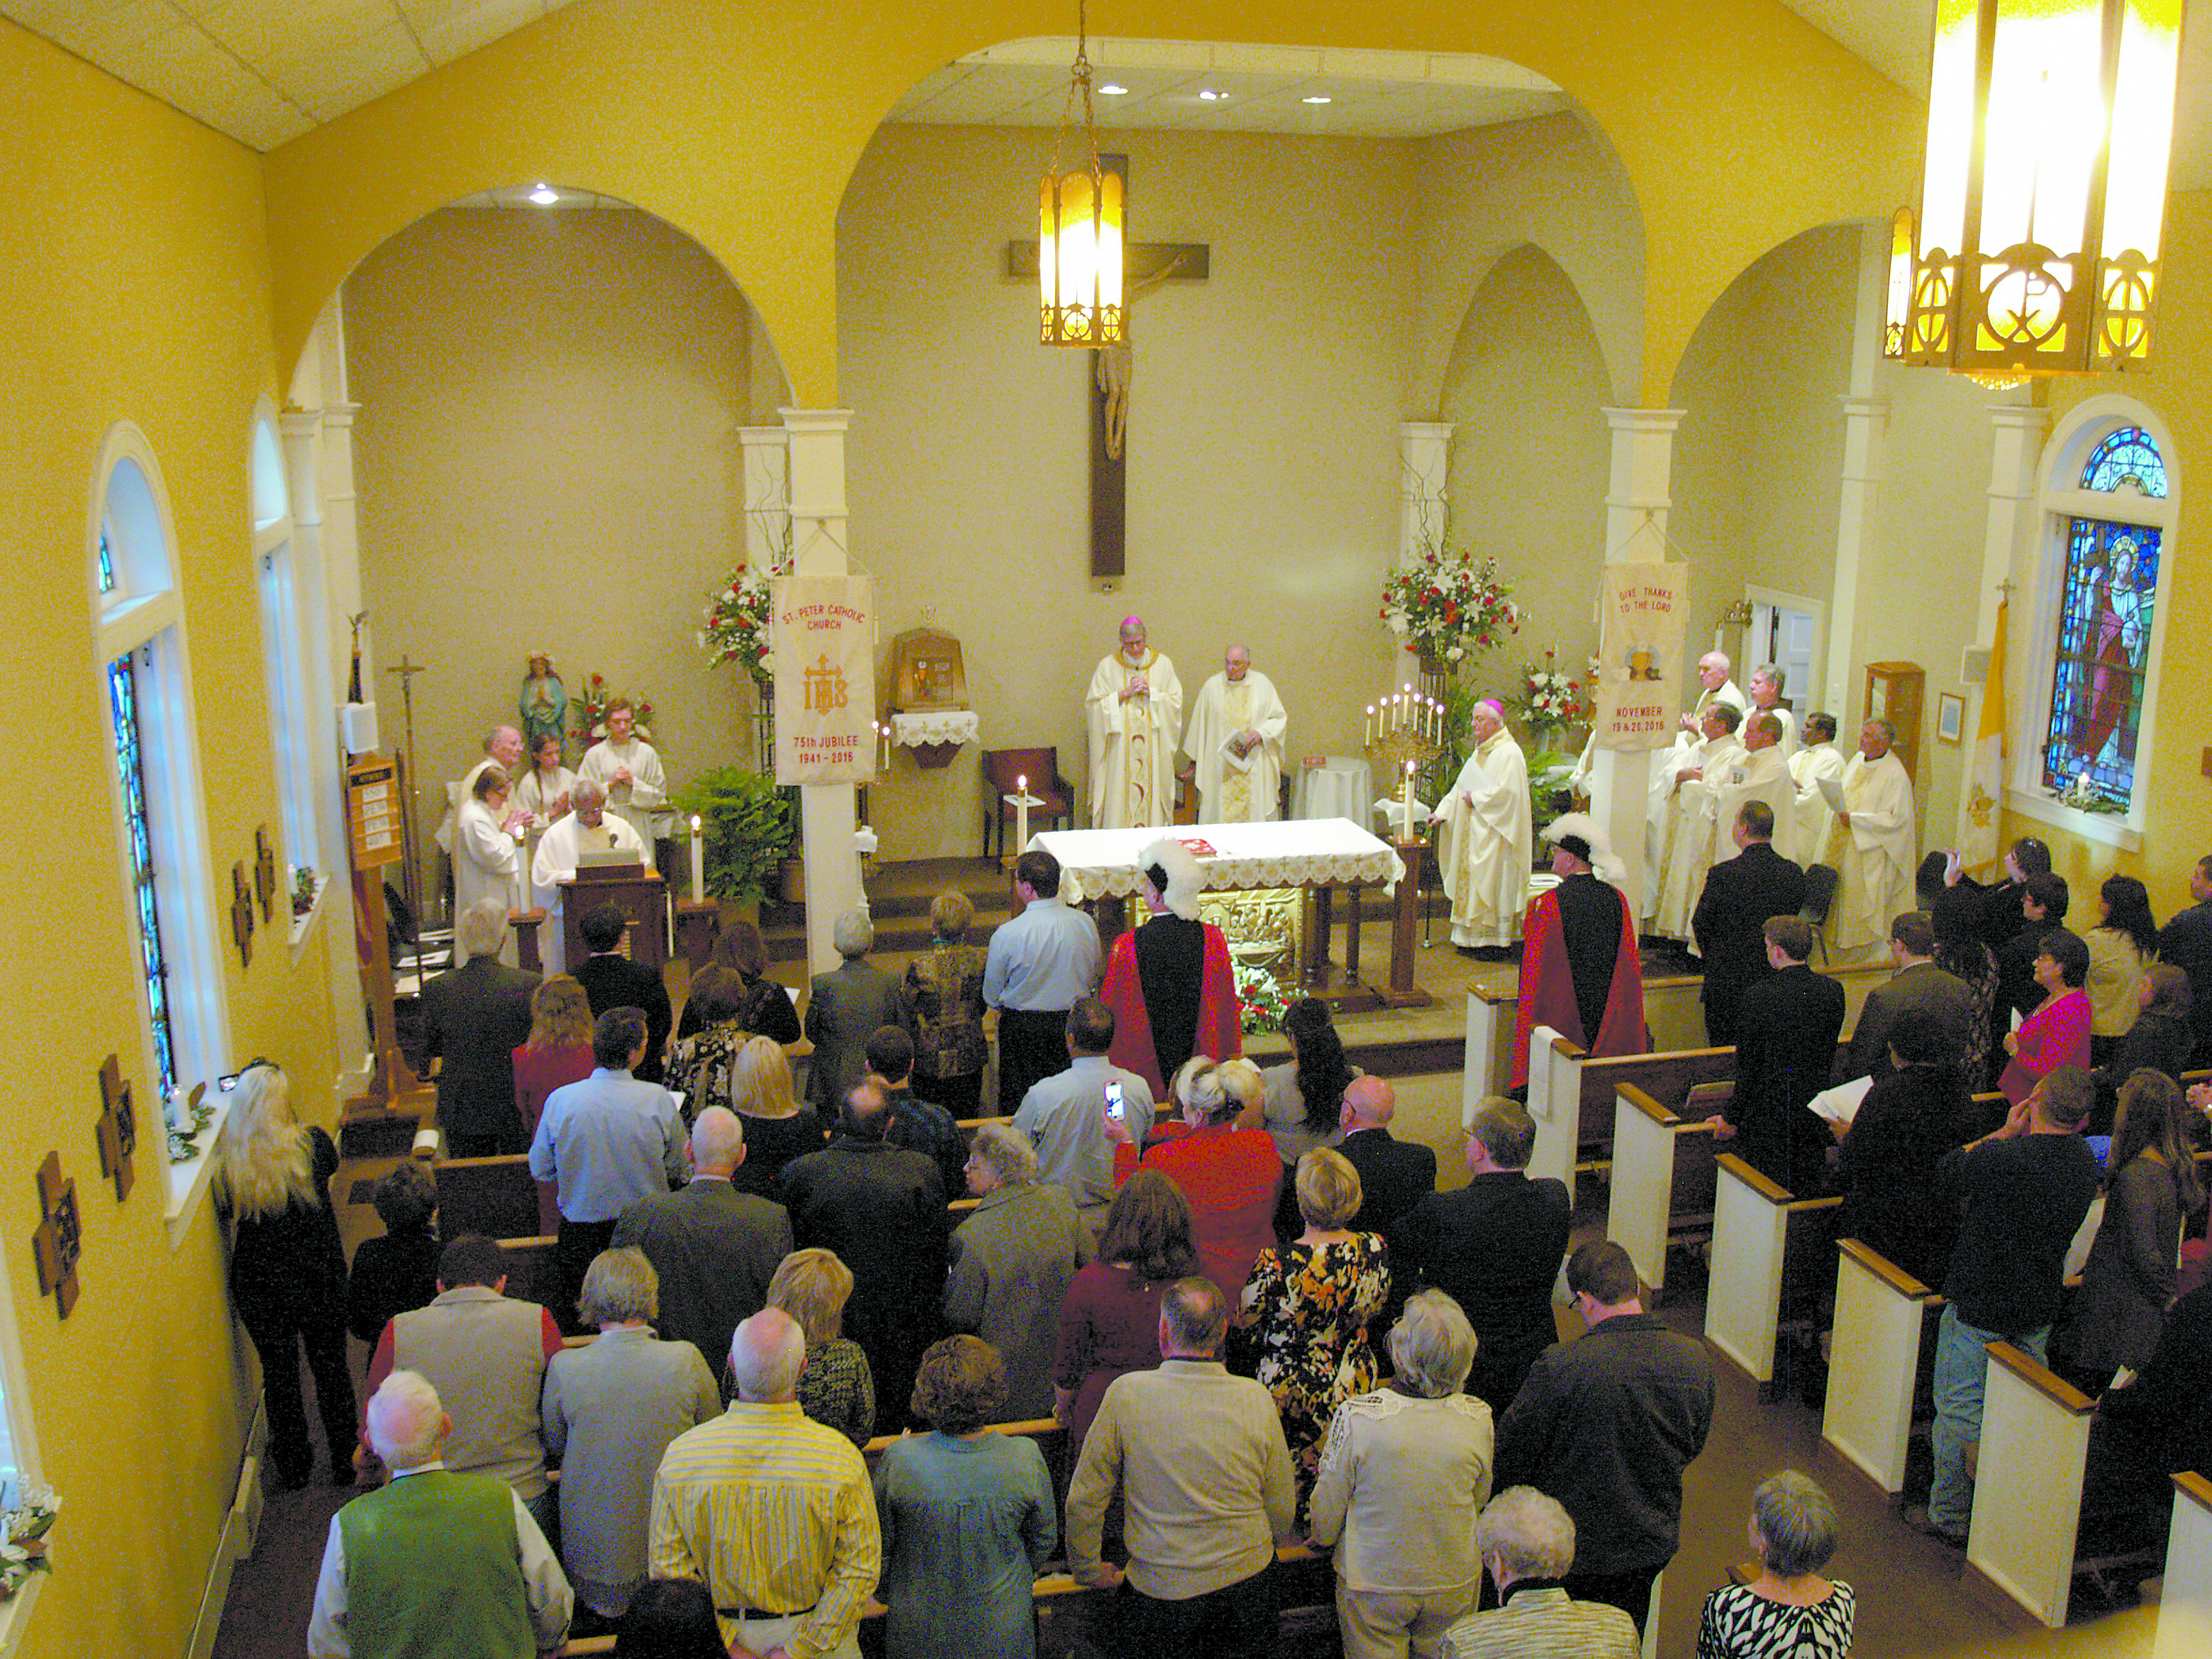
column 1302, row 852
column 936, row 726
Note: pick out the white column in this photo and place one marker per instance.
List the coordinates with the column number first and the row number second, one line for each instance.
column 1866, row 420
column 2008, row 544
column 1638, row 503
column 819, row 544
column 1424, row 473
column 765, row 455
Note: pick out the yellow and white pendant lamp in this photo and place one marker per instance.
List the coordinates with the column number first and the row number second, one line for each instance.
column 2035, row 251
column 1079, row 234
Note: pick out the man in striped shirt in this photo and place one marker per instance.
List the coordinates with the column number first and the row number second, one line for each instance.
column 771, row 1511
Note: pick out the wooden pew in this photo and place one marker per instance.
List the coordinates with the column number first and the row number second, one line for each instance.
column 1490, row 1014
column 2027, row 1490
column 1768, row 1253
column 1663, row 1181
column 494, row 1196
column 1883, row 1344
column 1581, row 1090
column 533, row 1275
column 1045, row 1431
column 2184, row 1601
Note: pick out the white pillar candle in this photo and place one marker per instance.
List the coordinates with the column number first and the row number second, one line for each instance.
column 698, row 865
column 1020, row 814
column 1370, row 723
column 1407, row 802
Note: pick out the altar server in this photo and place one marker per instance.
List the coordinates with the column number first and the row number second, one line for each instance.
column 1133, row 709
column 1235, row 742
column 628, row 768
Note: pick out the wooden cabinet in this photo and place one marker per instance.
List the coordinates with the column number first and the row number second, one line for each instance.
column 1895, row 692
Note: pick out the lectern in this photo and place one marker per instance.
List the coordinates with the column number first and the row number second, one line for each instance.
column 639, row 893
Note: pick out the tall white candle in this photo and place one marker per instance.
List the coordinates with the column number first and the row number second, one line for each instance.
column 1370, row 722
column 698, row 865
column 1407, row 802
column 1020, row 814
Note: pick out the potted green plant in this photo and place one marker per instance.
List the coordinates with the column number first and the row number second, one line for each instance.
column 749, row 825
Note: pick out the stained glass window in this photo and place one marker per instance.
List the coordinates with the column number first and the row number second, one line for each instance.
column 2104, row 657
column 130, row 767
column 2128, row 456
column 106, row 563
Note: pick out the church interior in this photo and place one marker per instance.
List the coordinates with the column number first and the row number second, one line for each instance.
column 290, row 343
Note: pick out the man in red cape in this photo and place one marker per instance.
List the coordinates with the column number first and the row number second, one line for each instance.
column 1171, row 983
column 1580, row 971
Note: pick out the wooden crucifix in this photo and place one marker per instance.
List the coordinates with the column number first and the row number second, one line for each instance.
column 60, row 1237
column 1144, row 266
column 118, row 1130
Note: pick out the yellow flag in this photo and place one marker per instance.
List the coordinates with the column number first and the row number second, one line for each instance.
column 1983, row 804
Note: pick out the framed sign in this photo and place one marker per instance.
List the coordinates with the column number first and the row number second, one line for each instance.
column 373, row 812
column 1950, row 716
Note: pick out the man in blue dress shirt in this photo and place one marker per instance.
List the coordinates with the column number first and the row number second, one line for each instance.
column 1041, row 964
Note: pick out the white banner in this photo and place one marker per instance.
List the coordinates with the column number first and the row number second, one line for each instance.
column 823, row 629
column 1640, row 675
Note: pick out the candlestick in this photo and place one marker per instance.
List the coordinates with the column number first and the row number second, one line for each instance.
column 1022, row 814
column 1405, row 804
column 698, row 865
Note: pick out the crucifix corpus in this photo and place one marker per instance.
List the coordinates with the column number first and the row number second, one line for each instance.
column 1146, row 266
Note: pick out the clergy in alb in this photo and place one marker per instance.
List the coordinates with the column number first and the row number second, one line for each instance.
column 1581, row 973
column 502, row 747
column 1689, row 831
column 1873, row 843
column 1817, row 759
column 1761, row 772
column 628, row 769
column 1714, row 686
column 1767, row 686
column 1134, row 711
column 1235, row 740
column 485, row 836
column 588, row 828
column 1490, row 842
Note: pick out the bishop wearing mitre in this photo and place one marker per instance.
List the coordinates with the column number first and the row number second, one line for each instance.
column 1236, row 742
column 1491, row 840
column 1134, row 710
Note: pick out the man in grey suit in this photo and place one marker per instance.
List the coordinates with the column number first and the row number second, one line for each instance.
column 1917, row 983
column 474, row 1018
column 846, row 1006
column 713, row 1248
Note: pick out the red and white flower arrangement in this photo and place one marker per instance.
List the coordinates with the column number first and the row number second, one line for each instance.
column 1445, row 607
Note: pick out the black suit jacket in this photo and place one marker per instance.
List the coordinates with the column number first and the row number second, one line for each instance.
column 1393, row 1177
column 2186, row 942
column 474, row 1018
column 1785, row 1048
column 844, row 1009
column 1494, row 1246
column 1922, row 985
column 714, row 1248
column 613, row 981
column 1741, row 894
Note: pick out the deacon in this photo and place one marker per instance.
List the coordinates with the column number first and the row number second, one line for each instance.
column 589, row 828
column 1816, row 759
column 1761, row 772
column 502, row 747
column 1766, row 683
column 628, row 769
column 1873, row 844
column 1689, row 829
column 1581, row 973
column 1235, row 742
column 1134, row 709
column 1490, row 845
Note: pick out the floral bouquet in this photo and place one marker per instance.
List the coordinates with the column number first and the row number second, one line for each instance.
column 736, row 626
column 1260, row 999
column 594, row 702
column 1443, row 607
column 1549, row 698
column 23, row 1547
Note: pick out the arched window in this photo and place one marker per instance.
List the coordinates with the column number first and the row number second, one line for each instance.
column 283, row 657
column 2109, row 518
column 145, row 684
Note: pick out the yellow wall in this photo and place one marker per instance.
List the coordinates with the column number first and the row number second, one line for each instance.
column 134, row 256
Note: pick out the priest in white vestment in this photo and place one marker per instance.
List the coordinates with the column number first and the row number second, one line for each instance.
column 1762, row 774
column 485, row 838
column 502, row 747
column 1817, row 759
column 628, row 768
column 1766, row 687
column 1490, row 844
column 588, row 828
column 1235, row 740
column 1874, row 845
column 1134, row 712
column 1691, row 832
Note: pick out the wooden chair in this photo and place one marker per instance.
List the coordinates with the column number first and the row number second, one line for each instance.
column 1042, row 767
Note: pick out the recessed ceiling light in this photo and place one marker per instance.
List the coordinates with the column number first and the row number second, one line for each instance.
column 545, row 196
column 1317, row 98
column 1209, row 95
column 1112, row 89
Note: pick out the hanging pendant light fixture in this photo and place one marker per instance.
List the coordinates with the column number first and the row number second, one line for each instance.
column 1079, row 231
column 2035, row 250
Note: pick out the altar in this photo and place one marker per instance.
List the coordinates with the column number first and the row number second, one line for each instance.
column 1320, row 856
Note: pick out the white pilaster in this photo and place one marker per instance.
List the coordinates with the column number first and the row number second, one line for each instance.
column 1865, row 420
column 765, row 453
column 1424, row 475
column 2007, row 542
column 819, row 544
column 1639, row 504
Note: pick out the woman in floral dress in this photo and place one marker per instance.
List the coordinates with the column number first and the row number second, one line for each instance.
column 1302, row 1329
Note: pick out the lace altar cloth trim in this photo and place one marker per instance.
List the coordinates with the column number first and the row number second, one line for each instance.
column 1303, row 853
column 941, row 725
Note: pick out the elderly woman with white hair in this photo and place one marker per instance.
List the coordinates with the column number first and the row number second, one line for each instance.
column 1790, row 1611
column 288, row 1269
column 1013, row 1261
column 1404, row 1474
column 609, row 1410
column 844, row 1008
column 1170, row 982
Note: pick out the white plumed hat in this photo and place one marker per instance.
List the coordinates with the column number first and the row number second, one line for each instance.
column 1584, row 837
column 1184, row 881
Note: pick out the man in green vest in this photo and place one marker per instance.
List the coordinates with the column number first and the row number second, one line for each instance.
column 435, row 1564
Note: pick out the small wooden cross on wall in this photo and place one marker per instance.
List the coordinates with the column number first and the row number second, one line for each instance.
column 59, row 1238
column 118, row 1129
column 241, row 914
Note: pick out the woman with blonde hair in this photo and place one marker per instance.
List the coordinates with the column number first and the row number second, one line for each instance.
column 836, row 1388
column 777, row 1127
column 288, row 1270
column 557, row 1053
